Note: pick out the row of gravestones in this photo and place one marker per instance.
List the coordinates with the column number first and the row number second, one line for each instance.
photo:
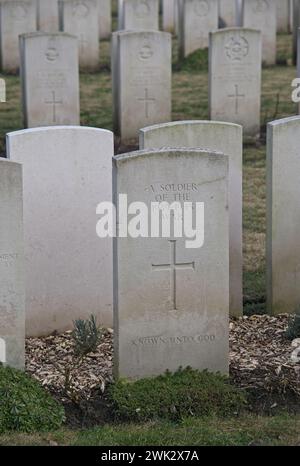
column 88, row 20
column 171, row 303
column 85, row 18
column 141, row 79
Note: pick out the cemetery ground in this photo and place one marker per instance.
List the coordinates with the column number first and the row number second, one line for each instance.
column 259, row 352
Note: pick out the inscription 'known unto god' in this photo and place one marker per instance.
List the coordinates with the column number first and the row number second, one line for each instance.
column 173, row 340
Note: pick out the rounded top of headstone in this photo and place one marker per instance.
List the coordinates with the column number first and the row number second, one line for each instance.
column 284, row 121
column 48, row 129
column 129, row 32
column 171, row 124
column 59, row 133
column 170, row 152
column 231, row 30
column 30, row 35
column 4, row 160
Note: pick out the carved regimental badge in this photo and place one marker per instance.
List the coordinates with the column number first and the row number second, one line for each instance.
column 237, row 48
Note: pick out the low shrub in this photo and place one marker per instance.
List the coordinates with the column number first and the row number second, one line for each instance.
column 176, row 396
column 24, row 405
column 293, row 330
column 196, row 61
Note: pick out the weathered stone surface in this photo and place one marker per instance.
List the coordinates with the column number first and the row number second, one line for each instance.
column 12, row 286
column 235, row 78
column 168, row 310
column 283, row 216
column 283, row 12
column 16, row 17
column 261, row 15
column 168, row 15
column 138, row 14
column 47, row 15
column 67, row 171
column 105, row 18
column 141, row 73
column 221, row 137
column 81, row 19
column 228, row 13
column 50, row 79
column 196, row 19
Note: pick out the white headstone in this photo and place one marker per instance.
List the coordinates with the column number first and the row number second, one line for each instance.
column 138, row 14
column 67, row 171
column 47, row 15
column 283, row 12
column 2, row 90
column 235, row 78
column 16, row 17
column 228, row 13
column 172, row 302
column 261, row 15
column 120, row 14
column 50, row 79
column 12, row 286
column 105, row 18
column 196, row 18
column 283, row 216
column 81, row 18
column 168, row 15
column 221, row 137
column 141, row 69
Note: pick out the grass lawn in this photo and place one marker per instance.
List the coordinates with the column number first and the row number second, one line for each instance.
column 190, row 101
column 243, row 431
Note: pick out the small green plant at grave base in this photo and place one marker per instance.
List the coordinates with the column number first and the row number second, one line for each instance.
column 293, row 330
column 196, row 61
column 24, row 404
column 175, row 396
column 86, row 337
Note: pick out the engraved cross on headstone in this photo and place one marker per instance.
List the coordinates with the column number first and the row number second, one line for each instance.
column 147, row 100
column 54, row 102
column 172, row 267
column 236, row 96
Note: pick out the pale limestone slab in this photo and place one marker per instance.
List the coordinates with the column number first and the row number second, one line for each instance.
column 105, row 18
column 196, row 19
column 50, row 79
column 80, row 18
column 12, row 284
column 261, row 15
column 221, row 137
column 67, row 172
column 138, row 14
column 283, row 12
column 120, row 15
column 168, row 15
column 168, row 310
column 141, row 75
column 228, row 13
column 235, row 78
column 283, row 216
column 16, row 17
column 47, row 15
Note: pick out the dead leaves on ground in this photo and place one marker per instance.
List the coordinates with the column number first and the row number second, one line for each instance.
column 260, row 358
